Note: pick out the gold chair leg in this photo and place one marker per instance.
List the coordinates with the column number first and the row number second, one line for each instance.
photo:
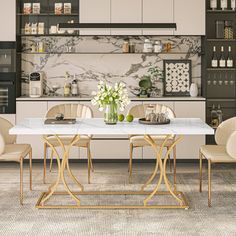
column 89, row 163
column 174, row 156
column 130, row 162
column 44, row 162
column 209, row 183
column 90, row 159
column 30, row 168
column 21, row 181
column 200, row 172
column 51, row 160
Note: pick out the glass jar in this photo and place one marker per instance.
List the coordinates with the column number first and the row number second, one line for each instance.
column 149, row 110
column 147, row 46
column 158, row 46
column 110, row 114
column 125, row 47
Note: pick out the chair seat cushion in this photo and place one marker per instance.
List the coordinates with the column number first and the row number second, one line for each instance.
column 14, row 152
column 138, row 140
column 216, row 153
column 83, row 142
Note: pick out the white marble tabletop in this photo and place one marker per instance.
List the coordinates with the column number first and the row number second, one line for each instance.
column 96, row 126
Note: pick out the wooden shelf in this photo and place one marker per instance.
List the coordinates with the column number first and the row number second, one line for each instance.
column 221, row 69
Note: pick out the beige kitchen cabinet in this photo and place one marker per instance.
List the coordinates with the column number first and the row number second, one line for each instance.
column 8, row 20
column 158, row 11
column 95, row 12
column 123, row 11
column 30, row 109
column 189, row 147
column 113, row 149
column 10, row 117
column 148, row 151
column 190, row 17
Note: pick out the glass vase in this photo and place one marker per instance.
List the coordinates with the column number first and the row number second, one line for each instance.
column 110, row 114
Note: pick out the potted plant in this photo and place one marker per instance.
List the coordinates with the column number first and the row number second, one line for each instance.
column 110, row 99
column 157, row 77
column 145, row 85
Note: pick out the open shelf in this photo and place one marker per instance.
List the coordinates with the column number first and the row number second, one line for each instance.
column 47, row 14
column 221, row 69
column 113, row 53
column 47, row 35
column 221, row 11
column 221, row 40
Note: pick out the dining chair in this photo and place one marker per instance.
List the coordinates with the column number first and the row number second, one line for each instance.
column 69, row 111
column 223, row 152
column 137, row 141
column 12, row 152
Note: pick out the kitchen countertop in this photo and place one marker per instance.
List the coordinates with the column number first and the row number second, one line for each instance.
column 45, row 98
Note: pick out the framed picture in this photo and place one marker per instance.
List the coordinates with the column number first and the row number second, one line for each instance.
column 177, row 77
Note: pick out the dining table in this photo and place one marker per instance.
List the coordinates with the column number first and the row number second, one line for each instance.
column 179, row 127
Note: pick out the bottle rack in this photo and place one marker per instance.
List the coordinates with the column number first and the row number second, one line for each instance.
column 220, row 83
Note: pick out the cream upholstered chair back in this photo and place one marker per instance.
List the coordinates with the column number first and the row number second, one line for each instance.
column 70, row 111
column 138, row 111
column 231, row 145
column 5, row 125
column 224, row 131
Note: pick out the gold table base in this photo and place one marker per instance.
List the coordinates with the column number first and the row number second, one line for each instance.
column 161, row 164
column 183, row 206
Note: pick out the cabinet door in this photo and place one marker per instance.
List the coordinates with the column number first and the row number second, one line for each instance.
column 190, row 17
column 31, row 110
column 95, row 12
column 148, row 152
column 8, row 20
column 158, row 11
column 123, row 11
column 189, row 147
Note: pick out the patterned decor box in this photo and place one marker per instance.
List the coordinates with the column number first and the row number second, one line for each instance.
column 177, row 77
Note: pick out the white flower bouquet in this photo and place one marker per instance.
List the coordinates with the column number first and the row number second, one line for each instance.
column 107, row 95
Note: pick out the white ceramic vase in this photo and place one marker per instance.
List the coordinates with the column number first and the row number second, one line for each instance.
column 193, row 90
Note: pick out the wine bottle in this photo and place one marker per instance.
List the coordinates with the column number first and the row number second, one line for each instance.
column 213, row 4
column 214, row 60
column 233, row 5
column 219, row 114
column 223, row 4
column 230, row 61
column 214, row 117
column 222, row 62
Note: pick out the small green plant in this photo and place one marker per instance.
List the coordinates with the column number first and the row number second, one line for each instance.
column 155, row 72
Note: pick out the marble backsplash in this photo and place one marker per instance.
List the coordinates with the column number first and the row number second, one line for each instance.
column 96, row 58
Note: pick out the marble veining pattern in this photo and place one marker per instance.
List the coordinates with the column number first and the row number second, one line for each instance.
column 94, row 59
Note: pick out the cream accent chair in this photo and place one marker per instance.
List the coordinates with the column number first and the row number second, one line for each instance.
column 223, row 152
column 11, row 152
column 69, row 111
column 136, row 141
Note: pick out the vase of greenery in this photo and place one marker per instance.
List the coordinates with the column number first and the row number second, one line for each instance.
column 156, row 75
column 110, row 100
